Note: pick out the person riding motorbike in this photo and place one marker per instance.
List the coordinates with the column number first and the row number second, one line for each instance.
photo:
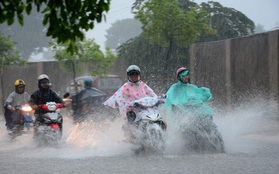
column 16, row 98
column 133, row 89
column 87, row 100
column 188, row 96
column 41, row 96
column 192, row 115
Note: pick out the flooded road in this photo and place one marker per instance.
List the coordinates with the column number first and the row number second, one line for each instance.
column 251, row 138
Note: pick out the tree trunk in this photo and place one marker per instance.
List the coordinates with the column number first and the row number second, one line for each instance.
column 166, row 69
column 74, row 77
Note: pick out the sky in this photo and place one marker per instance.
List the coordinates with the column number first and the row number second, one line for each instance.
column 264, row 12
column 119, row 9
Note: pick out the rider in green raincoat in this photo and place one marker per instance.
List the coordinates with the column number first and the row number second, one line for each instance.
column 188, row 104
column 187, row 97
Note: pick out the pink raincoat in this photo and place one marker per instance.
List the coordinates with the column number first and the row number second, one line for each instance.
column 128, row 93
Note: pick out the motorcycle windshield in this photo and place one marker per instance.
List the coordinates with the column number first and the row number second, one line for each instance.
column 149, row 110
column 146, row 101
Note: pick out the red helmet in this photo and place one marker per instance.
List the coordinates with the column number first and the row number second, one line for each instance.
column 179, row 70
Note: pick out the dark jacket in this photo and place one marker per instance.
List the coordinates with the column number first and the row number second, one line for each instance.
column 86, row 100
column 42, row 97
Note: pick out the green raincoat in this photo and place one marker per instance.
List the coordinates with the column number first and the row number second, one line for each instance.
column 189, row 98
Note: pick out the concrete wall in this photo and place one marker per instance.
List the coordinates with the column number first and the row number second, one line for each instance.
column 237, row 69
column 30, row 73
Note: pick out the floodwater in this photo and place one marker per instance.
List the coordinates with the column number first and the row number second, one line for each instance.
column 250, row 133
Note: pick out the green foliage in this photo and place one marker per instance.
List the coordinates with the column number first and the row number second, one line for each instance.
column 89, row 55
column 167, row 25
column 8, row 54
column 165, row 22
column 66, row 20
column 149, row 57
column 228, row 22
column 121, row 31
column 161, row 23
column 137, row 4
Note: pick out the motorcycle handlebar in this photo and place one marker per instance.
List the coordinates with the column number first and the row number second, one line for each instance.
column 24, row 108
column 137, row 105
column 17, row 107
column 45, row 107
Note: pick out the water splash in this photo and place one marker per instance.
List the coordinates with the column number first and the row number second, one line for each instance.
column 253, row 120
column 86, row 139
column 246, row 129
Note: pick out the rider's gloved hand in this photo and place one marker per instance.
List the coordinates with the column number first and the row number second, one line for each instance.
column 137, row 105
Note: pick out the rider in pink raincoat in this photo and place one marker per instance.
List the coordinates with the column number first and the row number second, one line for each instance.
column 132, row 90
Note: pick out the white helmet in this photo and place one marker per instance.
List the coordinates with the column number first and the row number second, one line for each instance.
column 133, row 68
column 43, row 76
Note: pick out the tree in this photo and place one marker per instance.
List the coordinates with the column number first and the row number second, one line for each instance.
column 148, row 57
column 66, row 20
column 8, row 55
column 121, row 31
column 166, row 24
column 29, row 36
column 228, row 22
column 89, row 55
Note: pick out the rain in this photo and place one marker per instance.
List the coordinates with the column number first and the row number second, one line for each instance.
column 249, row 128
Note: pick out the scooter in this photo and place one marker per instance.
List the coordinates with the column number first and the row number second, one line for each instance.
column 198, row 130
column 22, row 120
column 50, row 130
column 145, row 126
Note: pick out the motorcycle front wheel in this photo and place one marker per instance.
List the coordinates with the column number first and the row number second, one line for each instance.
column 201, row 135
column 153, row 137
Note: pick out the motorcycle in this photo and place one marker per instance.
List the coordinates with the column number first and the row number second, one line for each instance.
column 22, row 120
column 87, row 105
column 145, row 126
column 198, row 129
column 50, row 130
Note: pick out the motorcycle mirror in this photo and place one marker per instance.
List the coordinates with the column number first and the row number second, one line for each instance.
column 66, row 95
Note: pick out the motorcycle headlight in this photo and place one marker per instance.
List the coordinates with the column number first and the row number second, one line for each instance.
column 26, row 109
